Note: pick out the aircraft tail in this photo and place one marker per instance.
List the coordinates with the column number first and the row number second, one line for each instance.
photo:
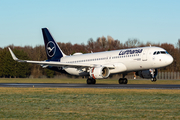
column 53, row 51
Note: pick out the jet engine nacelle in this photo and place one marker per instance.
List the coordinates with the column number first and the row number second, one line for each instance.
column 99, row 72
column 147, row 74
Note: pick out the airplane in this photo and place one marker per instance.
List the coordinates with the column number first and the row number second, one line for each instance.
column 144, row 61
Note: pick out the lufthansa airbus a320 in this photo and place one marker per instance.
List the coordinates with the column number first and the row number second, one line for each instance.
column 144, row 61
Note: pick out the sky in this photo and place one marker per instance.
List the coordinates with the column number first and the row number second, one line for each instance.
column 76, row 21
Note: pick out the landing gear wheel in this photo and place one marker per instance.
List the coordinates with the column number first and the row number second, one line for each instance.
column 123, row 81
column 88, row 81
column 91, row 81
column 154, row 80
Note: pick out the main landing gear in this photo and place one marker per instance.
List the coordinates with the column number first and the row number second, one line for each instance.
column 123, row 81
column 91, row 81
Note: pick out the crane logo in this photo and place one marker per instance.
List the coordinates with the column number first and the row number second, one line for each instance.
column 51, row 49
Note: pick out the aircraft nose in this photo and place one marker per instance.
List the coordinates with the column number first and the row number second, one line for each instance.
column 169, row 59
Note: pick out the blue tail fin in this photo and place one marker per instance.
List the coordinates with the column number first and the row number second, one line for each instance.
column 52, row 49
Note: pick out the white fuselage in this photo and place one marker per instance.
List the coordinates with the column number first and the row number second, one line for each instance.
column 124, row 60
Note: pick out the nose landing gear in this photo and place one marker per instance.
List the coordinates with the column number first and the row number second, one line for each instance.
column 153, row 79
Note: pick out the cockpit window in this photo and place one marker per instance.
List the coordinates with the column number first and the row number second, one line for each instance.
column 160, row 52
column 163, row 52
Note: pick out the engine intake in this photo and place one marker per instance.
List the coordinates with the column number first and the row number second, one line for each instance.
column 99, row 72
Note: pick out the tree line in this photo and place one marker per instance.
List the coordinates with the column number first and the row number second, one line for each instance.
column 12, row 69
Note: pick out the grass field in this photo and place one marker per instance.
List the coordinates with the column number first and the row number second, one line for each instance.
column 71, row 103
column 88, row 103
column 65, row 80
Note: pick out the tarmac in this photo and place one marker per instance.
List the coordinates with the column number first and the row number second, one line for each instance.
column 103, row 86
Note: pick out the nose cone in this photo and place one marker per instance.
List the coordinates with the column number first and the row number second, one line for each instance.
column 169, row 59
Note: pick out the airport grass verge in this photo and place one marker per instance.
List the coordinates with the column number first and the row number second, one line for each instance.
column 83, row 81
column 88, row 103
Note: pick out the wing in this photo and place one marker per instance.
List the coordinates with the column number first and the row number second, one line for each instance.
column 45, row 64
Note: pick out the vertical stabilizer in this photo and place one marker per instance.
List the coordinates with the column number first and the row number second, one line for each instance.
column 53, row 51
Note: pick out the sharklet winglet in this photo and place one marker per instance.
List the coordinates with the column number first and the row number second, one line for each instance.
column 12, row 54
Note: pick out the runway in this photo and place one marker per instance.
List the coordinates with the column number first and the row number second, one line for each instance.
column 103, row 86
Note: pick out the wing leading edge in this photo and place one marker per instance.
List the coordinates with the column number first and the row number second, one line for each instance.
column 45, row 64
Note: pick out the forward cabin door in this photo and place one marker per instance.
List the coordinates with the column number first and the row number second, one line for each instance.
column 144, row 55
